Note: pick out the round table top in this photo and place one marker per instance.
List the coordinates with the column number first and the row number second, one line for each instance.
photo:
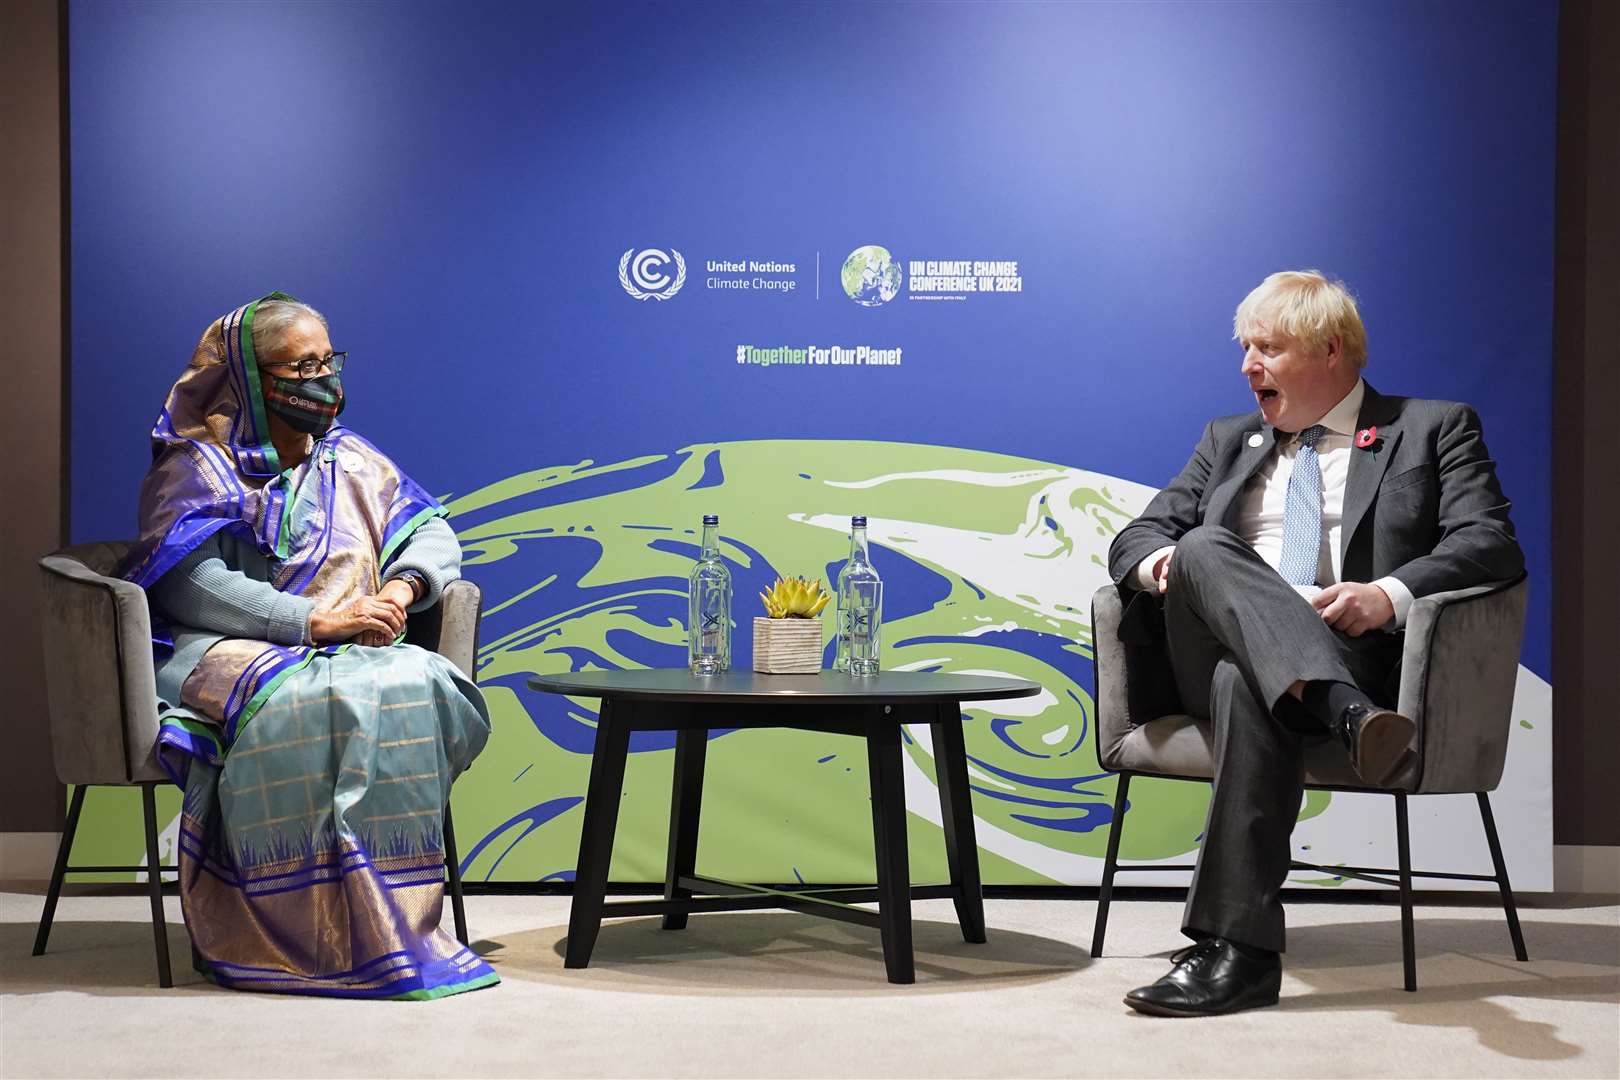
column 825, row 688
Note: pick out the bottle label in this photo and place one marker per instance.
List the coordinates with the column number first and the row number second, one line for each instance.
column 860, row 621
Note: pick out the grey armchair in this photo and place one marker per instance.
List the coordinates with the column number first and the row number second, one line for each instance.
column 1457, row 677
column 102, row 697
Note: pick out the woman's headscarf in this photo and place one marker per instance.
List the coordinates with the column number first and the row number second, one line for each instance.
column 214, row 467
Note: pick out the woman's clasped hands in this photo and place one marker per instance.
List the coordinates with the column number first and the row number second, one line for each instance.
column 369, row 620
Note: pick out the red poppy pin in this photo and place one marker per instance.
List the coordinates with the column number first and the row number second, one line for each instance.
column 1367, row 438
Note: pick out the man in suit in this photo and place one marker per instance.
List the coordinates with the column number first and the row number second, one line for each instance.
column 1278, row 570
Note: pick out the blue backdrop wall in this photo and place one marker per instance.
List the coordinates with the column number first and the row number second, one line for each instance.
column 493, row 203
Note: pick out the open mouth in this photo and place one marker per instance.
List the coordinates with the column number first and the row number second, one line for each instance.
column 1265, row 393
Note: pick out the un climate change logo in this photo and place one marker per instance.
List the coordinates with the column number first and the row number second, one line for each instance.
column 870, row 276
column 642, row 273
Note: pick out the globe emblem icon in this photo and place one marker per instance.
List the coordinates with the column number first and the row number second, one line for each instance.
column 870, row 276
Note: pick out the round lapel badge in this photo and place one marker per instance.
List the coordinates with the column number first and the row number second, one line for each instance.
column 351, row 461
column 1255, row 439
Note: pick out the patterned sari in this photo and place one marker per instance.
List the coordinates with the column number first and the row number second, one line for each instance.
column 315, row 777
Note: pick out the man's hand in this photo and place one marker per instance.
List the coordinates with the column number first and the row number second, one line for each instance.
column 1353, row 607
column 370, row 620
column 1161, row 572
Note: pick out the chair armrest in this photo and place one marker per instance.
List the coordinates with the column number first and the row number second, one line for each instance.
column 1113, row 721
column 99, row 679
column 1458, row 672
column 450, row 627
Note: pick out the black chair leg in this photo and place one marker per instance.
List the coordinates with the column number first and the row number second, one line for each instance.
column 154, row 884
column 54, row 893
column 1105, row 895
column 1404, row 851
column 452, row 870
column 1508, row 905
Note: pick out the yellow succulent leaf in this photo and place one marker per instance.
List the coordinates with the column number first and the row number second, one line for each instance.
column 795, row 597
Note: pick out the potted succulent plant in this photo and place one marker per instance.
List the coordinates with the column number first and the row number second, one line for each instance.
column 787, row 639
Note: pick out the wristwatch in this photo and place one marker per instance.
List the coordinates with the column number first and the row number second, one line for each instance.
column 416, row 581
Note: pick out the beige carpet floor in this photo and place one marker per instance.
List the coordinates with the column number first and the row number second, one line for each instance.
column 784, row 995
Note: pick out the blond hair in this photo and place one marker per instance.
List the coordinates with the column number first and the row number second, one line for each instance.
column 1307, row 305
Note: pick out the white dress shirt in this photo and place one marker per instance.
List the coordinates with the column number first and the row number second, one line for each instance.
column 1260, row 506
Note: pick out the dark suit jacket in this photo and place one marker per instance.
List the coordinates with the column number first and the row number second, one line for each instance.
column 1422, row 504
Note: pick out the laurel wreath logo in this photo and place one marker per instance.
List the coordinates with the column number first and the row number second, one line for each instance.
column 641, row 276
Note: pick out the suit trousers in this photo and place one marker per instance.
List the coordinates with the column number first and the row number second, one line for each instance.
column 1239, row 636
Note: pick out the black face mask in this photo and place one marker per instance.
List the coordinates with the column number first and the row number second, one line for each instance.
column 307, row 405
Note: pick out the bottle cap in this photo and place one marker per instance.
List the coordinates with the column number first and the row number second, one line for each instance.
column 711, row 519
column 857, row 522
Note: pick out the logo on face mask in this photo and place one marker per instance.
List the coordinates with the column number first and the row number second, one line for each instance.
column 296, row 403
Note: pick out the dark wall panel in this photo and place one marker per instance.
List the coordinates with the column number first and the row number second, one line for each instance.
column 1586, row 488
column 31, row 463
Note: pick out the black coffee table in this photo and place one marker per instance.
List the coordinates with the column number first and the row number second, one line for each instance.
column 873, row 707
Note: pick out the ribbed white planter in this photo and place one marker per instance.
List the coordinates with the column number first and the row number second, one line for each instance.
column 787, row 646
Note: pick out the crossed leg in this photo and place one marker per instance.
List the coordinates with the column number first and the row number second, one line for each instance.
column 1239, row 637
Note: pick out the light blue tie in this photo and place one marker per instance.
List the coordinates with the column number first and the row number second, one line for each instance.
column 1302, row 514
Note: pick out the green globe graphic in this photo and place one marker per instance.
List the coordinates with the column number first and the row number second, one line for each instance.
column 989, row 564
column 870, row 276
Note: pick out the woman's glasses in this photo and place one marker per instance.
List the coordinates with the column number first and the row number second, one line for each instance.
column 309, row 367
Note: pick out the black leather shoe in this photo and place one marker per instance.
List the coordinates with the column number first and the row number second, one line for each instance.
column 1211, row 978
column 1379, row 742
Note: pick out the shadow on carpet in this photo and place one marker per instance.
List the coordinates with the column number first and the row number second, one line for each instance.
column 781, row 953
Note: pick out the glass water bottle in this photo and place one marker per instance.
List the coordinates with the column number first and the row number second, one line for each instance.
column 860, row 607
column 708, row 617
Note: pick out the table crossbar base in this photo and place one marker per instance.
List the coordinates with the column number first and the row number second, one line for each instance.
column 686, row 892
column 716, row 894
column 1378, row 875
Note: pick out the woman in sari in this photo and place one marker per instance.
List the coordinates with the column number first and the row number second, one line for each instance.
column 283, row 555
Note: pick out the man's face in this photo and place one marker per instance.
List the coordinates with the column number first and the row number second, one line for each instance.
column 1294, row 384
